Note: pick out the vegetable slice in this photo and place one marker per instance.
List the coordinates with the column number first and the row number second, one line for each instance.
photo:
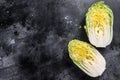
column 87, row 58
column 99, row 24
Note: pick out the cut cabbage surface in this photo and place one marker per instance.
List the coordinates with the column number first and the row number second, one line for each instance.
column 87, row 58
column 99, row 24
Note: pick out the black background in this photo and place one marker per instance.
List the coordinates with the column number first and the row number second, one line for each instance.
column 34, row 35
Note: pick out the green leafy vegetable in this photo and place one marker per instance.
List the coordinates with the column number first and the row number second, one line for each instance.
column 99, row 24
column 87, row 58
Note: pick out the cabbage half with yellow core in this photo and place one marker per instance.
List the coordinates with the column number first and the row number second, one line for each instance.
column 87, row 58
column 99, row 24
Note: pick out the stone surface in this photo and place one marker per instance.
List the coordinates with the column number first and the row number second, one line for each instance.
column 34, row 35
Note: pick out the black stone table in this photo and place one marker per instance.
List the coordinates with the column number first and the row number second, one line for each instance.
column 34, row 35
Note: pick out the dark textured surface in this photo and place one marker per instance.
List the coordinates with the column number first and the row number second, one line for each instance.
column 34, row 35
